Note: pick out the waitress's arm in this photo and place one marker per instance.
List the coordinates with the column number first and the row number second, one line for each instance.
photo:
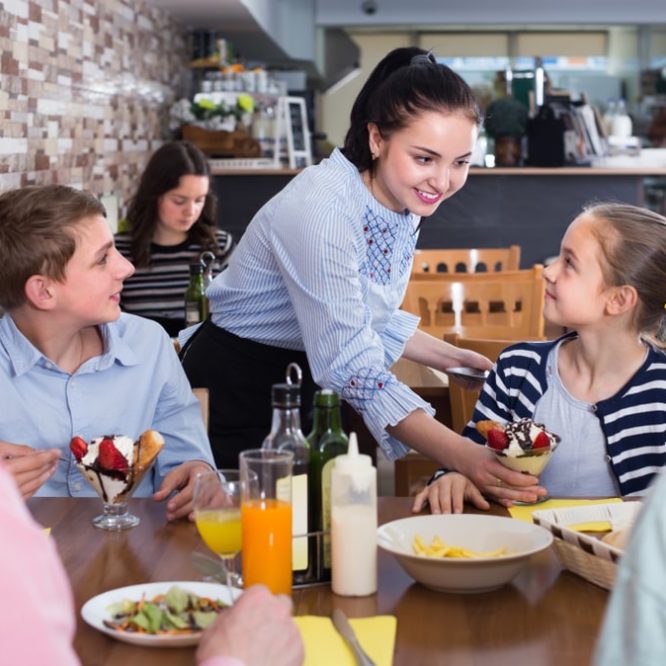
column 428, row 436
column 425, row 349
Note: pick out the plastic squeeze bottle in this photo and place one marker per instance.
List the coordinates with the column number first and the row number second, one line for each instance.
column 354, row 523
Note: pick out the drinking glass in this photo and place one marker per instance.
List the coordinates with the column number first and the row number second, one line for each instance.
column 217, row 497
column 266, row 518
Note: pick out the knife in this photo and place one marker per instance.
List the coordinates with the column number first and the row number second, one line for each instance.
column 342, row 625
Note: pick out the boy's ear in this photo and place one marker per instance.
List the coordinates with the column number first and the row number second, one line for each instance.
column 39, row 292
column 623, row 299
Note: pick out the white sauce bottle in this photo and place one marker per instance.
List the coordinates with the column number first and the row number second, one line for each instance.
column 354, row 523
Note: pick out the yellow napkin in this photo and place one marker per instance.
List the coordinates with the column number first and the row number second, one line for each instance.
column 525, row 512
column 325, row 647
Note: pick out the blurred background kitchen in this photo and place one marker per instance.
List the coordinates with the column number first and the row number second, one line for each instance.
column 575, row 95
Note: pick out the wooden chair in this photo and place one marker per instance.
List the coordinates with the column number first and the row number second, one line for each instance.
column 463, row 400
column 505, row 305
column 203, row 397
column 469, row 260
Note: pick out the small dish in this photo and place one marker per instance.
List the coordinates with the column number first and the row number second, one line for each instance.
column 468, row 374
column 95, row 610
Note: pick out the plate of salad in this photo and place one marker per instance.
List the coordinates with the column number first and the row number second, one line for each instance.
column 168, row 614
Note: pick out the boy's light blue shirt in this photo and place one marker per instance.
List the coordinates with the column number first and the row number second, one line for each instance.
column 136, row 384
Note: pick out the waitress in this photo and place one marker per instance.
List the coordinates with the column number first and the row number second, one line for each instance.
column 319, row 275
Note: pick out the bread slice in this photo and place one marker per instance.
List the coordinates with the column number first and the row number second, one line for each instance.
column 617, row 538
column 147, row 447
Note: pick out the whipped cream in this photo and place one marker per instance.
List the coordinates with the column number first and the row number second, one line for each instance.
column 521, row 434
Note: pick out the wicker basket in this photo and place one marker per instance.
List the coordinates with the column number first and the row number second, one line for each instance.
column 581, row 553
column 590, row 567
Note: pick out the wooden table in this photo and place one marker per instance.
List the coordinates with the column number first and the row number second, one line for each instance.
column 545, row 616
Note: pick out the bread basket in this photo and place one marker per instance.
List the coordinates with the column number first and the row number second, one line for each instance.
column 585, row 554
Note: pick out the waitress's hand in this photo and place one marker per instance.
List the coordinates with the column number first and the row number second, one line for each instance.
column 425, row 349
column 448, row 494
column 500, row 483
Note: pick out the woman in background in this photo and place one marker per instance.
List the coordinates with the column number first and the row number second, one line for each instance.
column 172, row 219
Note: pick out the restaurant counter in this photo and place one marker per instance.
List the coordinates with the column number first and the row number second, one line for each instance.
column 498, row 207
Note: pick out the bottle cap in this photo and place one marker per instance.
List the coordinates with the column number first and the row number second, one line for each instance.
column 353, row 462
column 286, row 395
column 326, row 398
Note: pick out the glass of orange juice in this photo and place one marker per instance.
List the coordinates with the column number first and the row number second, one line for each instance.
column 216, row 501
column 266, row 518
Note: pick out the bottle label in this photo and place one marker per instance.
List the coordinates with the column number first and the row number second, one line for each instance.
column 326, row 509
column 192, row 314
column 299, row 525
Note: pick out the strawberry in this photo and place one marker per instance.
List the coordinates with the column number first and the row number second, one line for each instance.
column 497, row 439
column 109, row 458
column 78, row 447
column 541, row 441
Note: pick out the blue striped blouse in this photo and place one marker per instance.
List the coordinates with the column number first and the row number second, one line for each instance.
column 323, row 267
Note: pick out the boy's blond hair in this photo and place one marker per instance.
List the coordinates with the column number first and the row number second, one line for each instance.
column 37, row 235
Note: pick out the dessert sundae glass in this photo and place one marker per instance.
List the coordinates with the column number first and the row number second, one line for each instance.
column 114, row 466
column 523, row 445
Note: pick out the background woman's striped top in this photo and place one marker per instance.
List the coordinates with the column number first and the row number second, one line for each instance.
column 158, row 291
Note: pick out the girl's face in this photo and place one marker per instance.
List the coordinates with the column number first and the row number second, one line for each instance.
column 576, row 294
column 424, row 163
column 179, row 209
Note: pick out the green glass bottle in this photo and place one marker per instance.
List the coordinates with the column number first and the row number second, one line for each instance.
column 196, row 303
column 327, row 440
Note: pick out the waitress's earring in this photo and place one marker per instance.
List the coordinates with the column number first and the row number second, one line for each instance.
column 374, row 156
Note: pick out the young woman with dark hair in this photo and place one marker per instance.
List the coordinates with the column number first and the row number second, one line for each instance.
column 320, row 273
column 172, row 219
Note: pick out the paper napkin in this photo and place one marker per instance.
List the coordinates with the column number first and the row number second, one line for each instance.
column 525, row 512
column 324, row 646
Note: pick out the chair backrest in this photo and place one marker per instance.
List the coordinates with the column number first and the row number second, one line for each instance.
column 505, row 305
column 462, row 399
column 467, row 260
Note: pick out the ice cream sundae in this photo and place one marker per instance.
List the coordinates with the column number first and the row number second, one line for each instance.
column 523, row 445
column 114, row 466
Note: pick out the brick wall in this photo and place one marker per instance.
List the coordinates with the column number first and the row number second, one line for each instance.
column 85, row 86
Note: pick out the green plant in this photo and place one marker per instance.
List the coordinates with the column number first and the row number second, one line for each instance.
column 505, row 117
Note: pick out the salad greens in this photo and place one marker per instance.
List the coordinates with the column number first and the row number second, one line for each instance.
column 176, row 612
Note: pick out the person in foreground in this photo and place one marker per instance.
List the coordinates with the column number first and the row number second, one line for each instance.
column 172, row 219
column 634, row 628
column 38, row 602
column 320, row 273
column 71, row 364
column 602, row 386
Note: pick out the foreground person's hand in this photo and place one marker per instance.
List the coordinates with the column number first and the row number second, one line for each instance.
column 500, row 483
column 448, row 495
column 181, row 481
column 258, row 630
column 31, row 468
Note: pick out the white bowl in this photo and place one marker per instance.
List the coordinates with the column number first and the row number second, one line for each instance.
column 472, row 531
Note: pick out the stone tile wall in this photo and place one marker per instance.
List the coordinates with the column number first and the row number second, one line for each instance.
column 85, row 87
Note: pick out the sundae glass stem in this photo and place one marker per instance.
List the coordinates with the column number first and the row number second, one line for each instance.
column 116, row 517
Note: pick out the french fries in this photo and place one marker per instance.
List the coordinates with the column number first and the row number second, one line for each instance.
column 439, row 548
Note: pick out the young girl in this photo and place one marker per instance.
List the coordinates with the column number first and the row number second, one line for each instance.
column 601, row 387
column 172, row 220
column 320, row 273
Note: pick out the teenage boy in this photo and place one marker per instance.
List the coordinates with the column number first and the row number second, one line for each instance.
column 72, row 364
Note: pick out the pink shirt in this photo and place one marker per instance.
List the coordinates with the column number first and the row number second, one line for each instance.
column 36, row 609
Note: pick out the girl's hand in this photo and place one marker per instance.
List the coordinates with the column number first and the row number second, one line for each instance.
column 448, row 494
